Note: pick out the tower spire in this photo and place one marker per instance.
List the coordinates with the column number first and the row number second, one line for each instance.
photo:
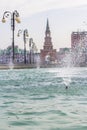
column 47, row 32
column 47, row 26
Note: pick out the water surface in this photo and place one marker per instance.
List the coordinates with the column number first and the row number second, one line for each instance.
column 36, row 99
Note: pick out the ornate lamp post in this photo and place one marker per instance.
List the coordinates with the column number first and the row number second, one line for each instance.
column 33, row 48
column 25, row 36
column 14, row 17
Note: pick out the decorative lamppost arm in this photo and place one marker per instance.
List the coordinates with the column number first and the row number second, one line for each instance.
column 5, row 15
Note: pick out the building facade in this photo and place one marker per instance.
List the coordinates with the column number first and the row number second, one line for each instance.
column 48, row 54
column 77, row 38
column 79, row 48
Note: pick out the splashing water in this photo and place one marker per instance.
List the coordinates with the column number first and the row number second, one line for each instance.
column 38, row 62
column 66, row 81
column 73, row 58
column 11, row 65
column 66, row 75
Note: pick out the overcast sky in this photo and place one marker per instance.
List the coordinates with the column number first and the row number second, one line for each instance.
column 64, row 17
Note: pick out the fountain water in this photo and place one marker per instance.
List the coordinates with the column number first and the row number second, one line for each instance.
column 75, row 58
column 11, row 65
column 38, row 61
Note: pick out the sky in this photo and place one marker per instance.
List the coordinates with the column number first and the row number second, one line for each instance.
column 65, row 16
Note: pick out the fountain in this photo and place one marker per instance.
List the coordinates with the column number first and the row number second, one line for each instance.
column 76, row 57
column 11, row 65
column 38, row 61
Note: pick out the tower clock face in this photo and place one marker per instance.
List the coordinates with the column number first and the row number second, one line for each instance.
column 48, row 35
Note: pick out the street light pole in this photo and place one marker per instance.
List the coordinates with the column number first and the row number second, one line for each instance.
column 14, row 16
column 30, row 46
column 33, row 48
column 13, row 28
column 25, row 36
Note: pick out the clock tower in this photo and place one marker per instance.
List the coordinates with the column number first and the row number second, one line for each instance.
column 48, row 53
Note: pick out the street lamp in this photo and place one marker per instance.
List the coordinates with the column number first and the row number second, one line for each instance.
column 33, row 48
column 25, row 36
column 14, row 17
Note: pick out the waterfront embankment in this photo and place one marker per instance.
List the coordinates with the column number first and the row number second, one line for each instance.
column 17, row 66
column 25, row 66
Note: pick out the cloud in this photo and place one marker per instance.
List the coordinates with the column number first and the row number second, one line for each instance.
column 40, row 6
column 11, row 4
column 29, row 7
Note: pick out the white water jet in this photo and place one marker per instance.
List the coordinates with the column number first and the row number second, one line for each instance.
column 66, row 74
column 11, row 65
column 66, row 81
column 76, row 57
column 38, row 62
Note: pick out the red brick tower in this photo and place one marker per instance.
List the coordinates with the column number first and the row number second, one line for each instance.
column 48, row 50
